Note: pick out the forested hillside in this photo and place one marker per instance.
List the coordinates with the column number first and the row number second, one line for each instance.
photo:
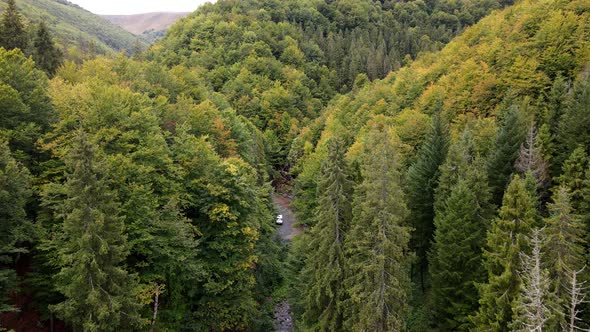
column 84, row 34
column 437, row 152
column 489, row 170
column 279, row 63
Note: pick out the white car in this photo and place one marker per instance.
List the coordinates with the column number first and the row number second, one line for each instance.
column 279, row 219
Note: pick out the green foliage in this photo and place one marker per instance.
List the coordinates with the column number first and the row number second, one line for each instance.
column 575, row 119
column 82, row 33
column 324, row 268
column 456, row 256
column 378, row 268
column 422, row 182
column 510, row 137
column 91, row 247
column 165, row 196
column 15, row 225
column 573, row 174
column 13, row 34
column 26, row 107
column 506, row 238
column 564, row 248
column 46, row 55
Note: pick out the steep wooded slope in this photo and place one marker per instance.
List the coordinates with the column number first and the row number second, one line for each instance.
column 75, row 26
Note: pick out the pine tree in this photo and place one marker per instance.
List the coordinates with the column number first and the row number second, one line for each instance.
column 505, row 240
column 533, row 305
column 456, row 255
column 15, row 227
column 460, row 156
column 91, row 248
column 377, row 273
column 45, row 54
column 324, row 270
column 423, row 178
column 564, row 245
column 573, row 174
column 508, row 142
column 575, row 121
column 12, row 29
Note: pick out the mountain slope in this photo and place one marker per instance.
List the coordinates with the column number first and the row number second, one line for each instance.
column 514, row 53
column 75, row 26
column 531, row 59
column 146, row 25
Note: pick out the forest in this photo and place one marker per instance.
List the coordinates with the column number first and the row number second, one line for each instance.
column 437, row 153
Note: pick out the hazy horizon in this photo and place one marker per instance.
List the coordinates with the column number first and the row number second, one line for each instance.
column 129, row 7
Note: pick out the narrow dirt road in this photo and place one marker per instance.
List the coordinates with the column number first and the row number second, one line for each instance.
column 283, row 319
column 287, row 230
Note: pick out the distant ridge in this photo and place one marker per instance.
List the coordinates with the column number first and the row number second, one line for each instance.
column 73, row 26
column 148, row 25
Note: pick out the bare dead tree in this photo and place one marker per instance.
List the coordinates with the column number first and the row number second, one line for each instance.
column 530, row 158
column 577, row 293
column 532, row 310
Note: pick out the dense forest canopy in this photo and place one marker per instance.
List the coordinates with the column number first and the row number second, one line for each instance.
column 437, row 152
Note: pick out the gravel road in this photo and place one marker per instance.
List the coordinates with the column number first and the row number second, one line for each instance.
column 283, row 319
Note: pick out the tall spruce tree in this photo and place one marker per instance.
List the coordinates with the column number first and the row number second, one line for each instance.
column 508, row 142
column 564, row 247
column 12, row 30
column 15, row 227
column 324, row 269
column 457, row 250
column 45, row 54
column 423, row 178
column 505, row 240
column 575, row 121
column 377, row 272
column 573, row 174
column 91, row 247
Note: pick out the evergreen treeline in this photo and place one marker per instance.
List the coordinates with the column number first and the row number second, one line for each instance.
column 14, row 35
column 452, row 195
column 488, row 200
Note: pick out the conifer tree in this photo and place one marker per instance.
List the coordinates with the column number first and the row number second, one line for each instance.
column 573, row 174
column 564, row 246
column 324, row 269
column 377, row 272
column 533, row 305
column 575, row 121
column 91, row 248
column 459, row 157
column 45, row 54
column 423, row 178
column 505, row 240
column 508, row 142
column 456, row 255
column 15, row 227
column 12, row 29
